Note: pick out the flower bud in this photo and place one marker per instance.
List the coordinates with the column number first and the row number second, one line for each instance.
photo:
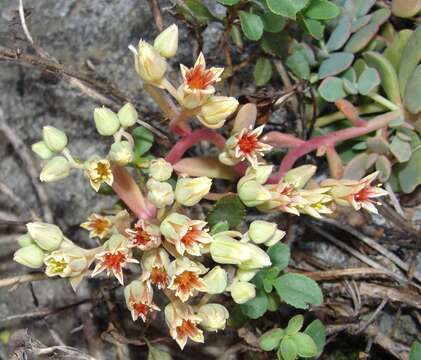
column 264, row 232
column 121, row 152
column 245, row 275
column 55, row 169
column 46, row 236
column 25, row 240
column 160, row 194
column 258, row 258
column 149, row 64
column 106, row 121
column 166, row 43
column 68, row 261
column 226, row 250
column 252, row 193
column 31, row 256
column 300, row 175
column 160, row 169
column 42, row 150
column 55, row 139
column 172, row 224
column 242, row 291
column 214, row 317
column 189, row 191
column 216, row 280
column 127, row 115
column 215, row 111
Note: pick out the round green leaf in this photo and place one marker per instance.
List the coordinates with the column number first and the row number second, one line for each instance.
column 322, row 10
column 299, row 65
column 272, row 22
column 252, row 25
column 360, row 39
column 409, row 173
column 415, row 352
column 317, row 332
column 279, row 255
column 230, row 209
column 270, row 340
column 306, row 346
column 314, row 27
column 255, row 308
column 287, row 8
column 288, row 349
column 340, row 34
column 412, row 97
column 295, row 324
column 335, row 64
column 331, row 89
column 228, row 2
column 262, row 71
column 410, row 59
column 298, row 290
column 350, row 87
column 143, row 140
column 401, row 149
column 368, row 81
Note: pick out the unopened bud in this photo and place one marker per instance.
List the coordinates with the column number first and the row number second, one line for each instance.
column 160, row 169
column 242, row 291
column 258, row 258
column 127, row 115
column 42, row 150
column 216, row 280
column 246, row 274
column 189, row 191
column 214, row 317
column 25, row 240
column 226, row 250
column 149, row 64
column 46, row 236
column 160, row 194
column 121, row 153
column 55, row 139
column 264, row 232
column 252, row 193
column 300, row 175
column 106, row 121
column 31, row 256
column 55, row 169
column 215, row 111
column 166, row 43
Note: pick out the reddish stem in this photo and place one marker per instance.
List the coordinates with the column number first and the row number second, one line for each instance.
column 330, row 140
column 196, row 136
column 128, row 191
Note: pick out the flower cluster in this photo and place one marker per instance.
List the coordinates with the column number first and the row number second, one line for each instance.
column 157, row 236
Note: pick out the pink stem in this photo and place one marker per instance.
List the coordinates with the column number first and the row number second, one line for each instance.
column 128, row 191
column 280, row 140
column 178, row 150
column 330, row 140
column 351, row 112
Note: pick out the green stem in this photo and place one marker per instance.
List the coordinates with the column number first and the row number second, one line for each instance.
column 383, row 101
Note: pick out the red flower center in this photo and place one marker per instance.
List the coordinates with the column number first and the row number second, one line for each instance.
column 362, row 195
column 199, row 78
column 159, row 277
column 190, row 238
column 141, row 309
column 188, row 328
column 141, row 237
column 186, row 281
column 114, row 261
column 99, row 225
column 248, row 144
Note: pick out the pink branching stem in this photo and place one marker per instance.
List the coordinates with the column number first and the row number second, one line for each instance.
column 196, row 136
column 330, row 140
column 280, row 140
column 128, row 191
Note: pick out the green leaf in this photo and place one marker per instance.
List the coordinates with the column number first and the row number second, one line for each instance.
column 317, row 332
column 230, row 209
column 298, row 290
column 272, row 22
column 270, row 340
column 237, row 318
column 143, row 140
column 401, row 149
column 380, row 16
column 412, row 97
column 236, row 36
column 157, row 354
column 360, row 22
column 415, row 352
column 340, row 34
column 262, row 71
column 306, row 346
column 105, row 189
column 279, row 255
column 287, row 8
column 409, row 173
column 321, row 10
column 411, row 57
column 394, row 51
column 299, row 65
column 264, row 278
column 331, row 89
column 255, row 308
column 350, row 87
column 228, row 2
column 252, row 25
column 199, row 11
column 275, row 43
column 361, row 38
column 368, row 81
column 314, row 27
column 295, row 324
column 362, row 7
column 388, row 75
column 335, row 64
column 288, row 349
column 219, row 227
